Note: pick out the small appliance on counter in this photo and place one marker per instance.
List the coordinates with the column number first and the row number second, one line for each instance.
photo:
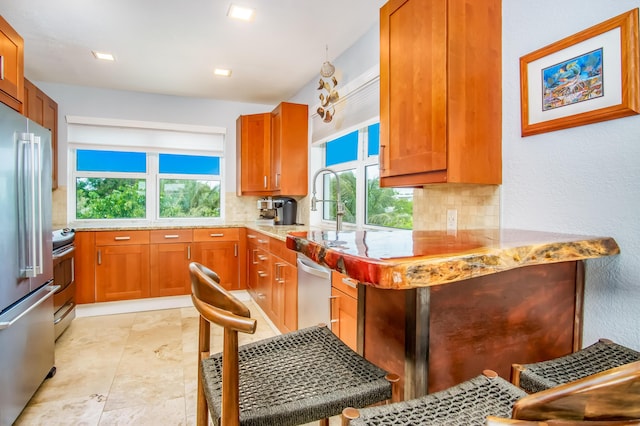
column 277, row 211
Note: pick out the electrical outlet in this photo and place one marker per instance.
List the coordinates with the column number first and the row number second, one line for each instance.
column 452, row 220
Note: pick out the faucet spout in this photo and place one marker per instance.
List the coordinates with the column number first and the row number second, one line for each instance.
column 339, row 204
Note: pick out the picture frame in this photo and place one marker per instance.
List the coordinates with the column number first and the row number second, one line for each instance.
column 591, row 76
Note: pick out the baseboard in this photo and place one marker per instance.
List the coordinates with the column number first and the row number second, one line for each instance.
column 141, row 305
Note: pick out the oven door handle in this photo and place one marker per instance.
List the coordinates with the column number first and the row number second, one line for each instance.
column 58, row 255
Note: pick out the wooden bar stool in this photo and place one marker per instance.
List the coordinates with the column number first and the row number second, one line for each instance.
column 602, row 355
column 288, row 379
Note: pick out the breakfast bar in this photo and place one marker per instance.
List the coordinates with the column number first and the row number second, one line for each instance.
column 438, row 307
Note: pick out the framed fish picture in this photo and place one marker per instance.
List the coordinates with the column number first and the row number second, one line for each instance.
column 591, row 76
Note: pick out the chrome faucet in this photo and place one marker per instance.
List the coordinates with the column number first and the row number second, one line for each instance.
column 339, row 204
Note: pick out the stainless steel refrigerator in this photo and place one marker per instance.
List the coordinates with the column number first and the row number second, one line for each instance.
column 26, row 269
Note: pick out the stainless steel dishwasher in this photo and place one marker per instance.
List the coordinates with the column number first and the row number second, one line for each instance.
column 314, row 292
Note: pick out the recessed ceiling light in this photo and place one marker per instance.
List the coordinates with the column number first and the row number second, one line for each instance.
column 242, row 13
column 103, row 56
column 222, row 72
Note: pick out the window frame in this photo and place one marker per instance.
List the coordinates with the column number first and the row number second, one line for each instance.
column 152, row 178
column 360, row 165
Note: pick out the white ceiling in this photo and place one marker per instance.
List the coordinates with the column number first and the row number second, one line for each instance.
column 172, row 47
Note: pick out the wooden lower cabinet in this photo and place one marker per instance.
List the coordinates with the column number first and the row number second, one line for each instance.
column 272, row 279
column 344, row 309
column 122, row 272
column 122, row 265
column 222, row 258
column 284, row 294
column 169, row 258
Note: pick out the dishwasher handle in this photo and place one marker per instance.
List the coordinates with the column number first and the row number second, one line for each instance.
column 313, row 268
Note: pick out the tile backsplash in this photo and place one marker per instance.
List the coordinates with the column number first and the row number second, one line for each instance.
column 478, row 206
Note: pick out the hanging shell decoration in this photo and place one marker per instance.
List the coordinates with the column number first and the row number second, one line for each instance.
column 329, row 95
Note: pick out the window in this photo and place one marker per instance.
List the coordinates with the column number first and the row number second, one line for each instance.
column 354, row 158
column 144, row 172
column 111, row 185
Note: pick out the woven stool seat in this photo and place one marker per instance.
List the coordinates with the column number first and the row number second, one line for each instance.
column 296, row 378
column 593, row 359
column 468, row 403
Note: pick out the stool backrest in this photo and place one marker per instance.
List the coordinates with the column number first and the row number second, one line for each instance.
column 218, row 306
column 613, row 394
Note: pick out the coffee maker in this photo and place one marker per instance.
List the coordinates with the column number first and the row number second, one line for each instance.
column 280, row 210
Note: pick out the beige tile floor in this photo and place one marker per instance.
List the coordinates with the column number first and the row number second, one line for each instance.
column 127, row 369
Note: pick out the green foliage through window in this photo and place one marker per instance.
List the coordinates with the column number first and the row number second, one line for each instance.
column 189, row 198
column 110, row 198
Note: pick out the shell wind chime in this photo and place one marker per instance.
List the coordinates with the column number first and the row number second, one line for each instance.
column 328, row 95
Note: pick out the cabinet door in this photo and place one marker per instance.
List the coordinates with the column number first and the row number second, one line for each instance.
column 169, row 269
column 289, row 149
column 85, row 267
column 344, row 317
column 122, row 272
column 222, row 258
column 285, row 295
column 11, row 66
column 43, row 110
column 50, row 121
column 413, row 86
column 253, row 134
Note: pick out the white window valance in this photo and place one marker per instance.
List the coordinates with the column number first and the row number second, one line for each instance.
column 144, row 135
column 359, row 103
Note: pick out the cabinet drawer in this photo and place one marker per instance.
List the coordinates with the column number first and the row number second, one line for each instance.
column 216, row 234
column 344, row 284
column 258, row 238
column 110, row 238
column 279, row 248
column 162, row 236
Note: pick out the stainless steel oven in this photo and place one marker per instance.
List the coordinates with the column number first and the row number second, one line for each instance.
column 64, row 306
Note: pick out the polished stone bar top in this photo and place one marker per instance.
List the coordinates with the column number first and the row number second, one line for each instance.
column 406, row 259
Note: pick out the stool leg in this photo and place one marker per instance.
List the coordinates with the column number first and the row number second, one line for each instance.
column 349, row 414
column 394, row 379
column 204, row 333
column 324, row 422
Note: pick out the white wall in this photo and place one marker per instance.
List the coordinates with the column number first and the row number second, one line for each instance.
column 94, row 102
column 583, row 180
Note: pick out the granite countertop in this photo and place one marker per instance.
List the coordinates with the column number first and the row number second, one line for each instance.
column 406, row 259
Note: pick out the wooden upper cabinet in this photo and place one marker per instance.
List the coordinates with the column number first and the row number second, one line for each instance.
column 440, row 92
column 272, row 151
column 253, row 133
column 11, row 66
column 290, row 149
column 43, row 110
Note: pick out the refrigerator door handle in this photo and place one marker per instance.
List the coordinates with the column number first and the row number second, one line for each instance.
column 50, row 290
column 30, row 191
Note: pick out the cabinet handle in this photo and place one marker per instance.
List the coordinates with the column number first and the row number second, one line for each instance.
column 253, row 256
column 278, row 267
column 250, row 236
column 262, row 257
column 262, row 274
column 235, row 250
column 217, row 235
column 331, row 299
column 99, row 257
column 189, row 252
column 349, row 282
column 265, row 181
column 170, row 236
column 381, row 156
column 1, row 67
column 263, row 241
column 277, row 180
column 122, row 238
